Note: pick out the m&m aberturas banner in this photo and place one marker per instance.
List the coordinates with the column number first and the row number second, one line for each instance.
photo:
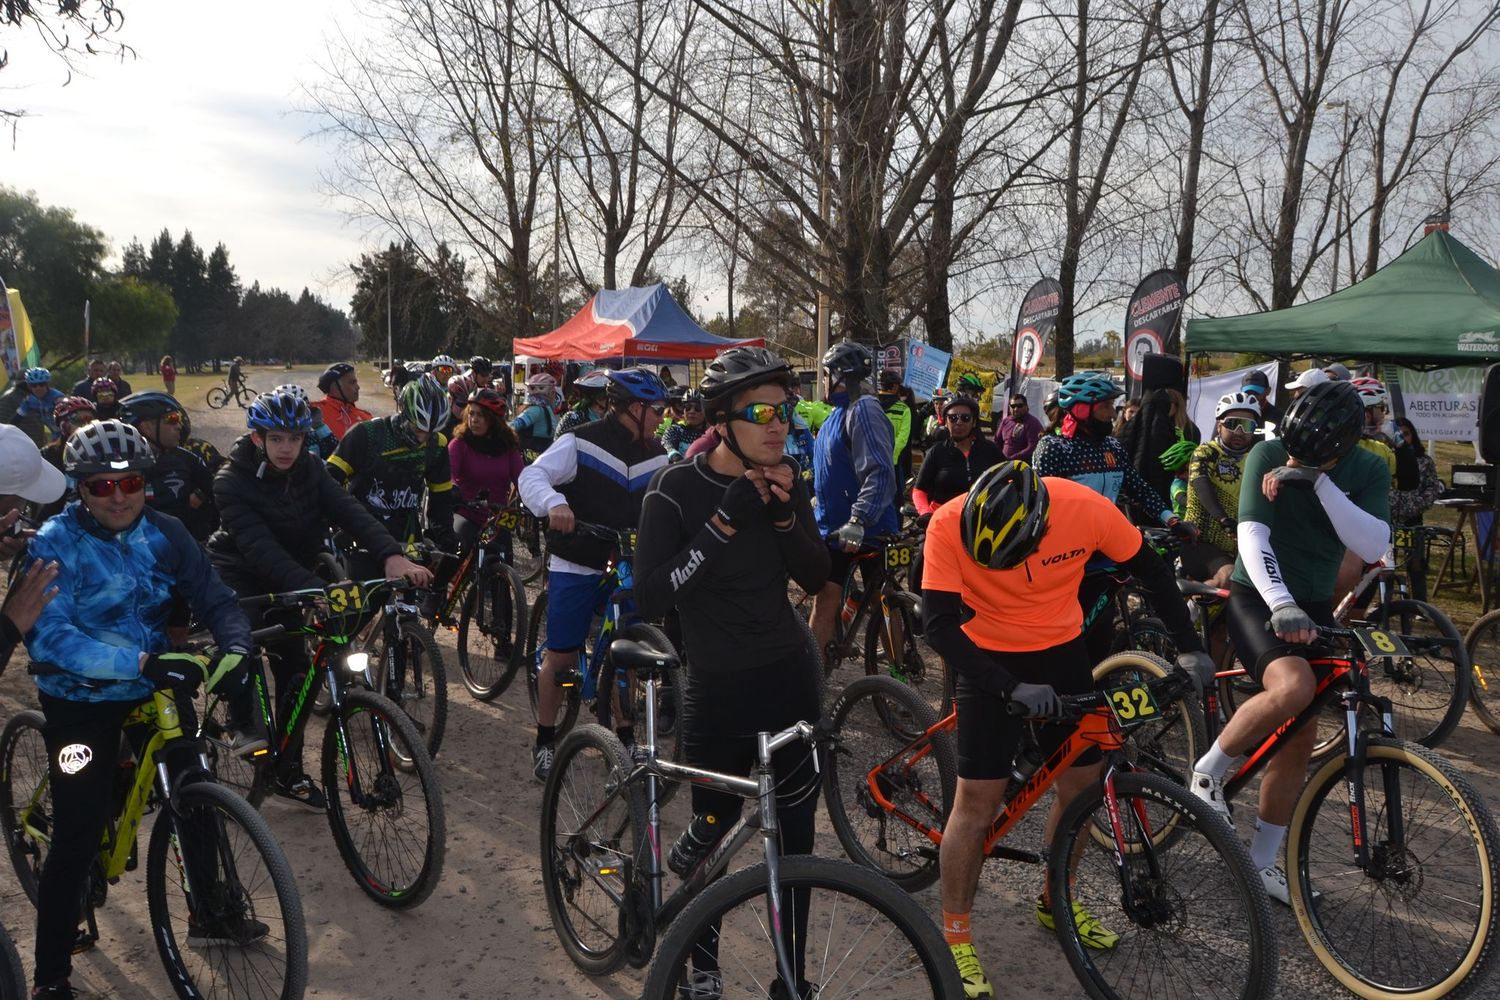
column 1151, row 323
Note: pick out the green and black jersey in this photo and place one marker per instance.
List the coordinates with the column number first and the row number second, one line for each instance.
column 388, row 471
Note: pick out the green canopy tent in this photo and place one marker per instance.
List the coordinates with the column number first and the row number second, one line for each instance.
column 1436, row 305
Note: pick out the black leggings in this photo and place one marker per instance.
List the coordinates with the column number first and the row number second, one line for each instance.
column 722, row 712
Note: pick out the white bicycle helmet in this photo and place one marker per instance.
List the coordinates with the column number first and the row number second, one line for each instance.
column 295, row 391
column 1372, row 392
column 1236, row 401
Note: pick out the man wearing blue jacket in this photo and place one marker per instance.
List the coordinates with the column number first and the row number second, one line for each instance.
column 100, row 648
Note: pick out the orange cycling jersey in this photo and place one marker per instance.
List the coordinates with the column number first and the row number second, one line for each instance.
column 1035, row 605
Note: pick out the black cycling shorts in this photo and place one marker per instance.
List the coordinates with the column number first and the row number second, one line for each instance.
column 988, row 737
column 1255, row 645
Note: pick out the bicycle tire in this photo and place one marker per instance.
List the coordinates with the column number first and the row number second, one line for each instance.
column 607, row 853
column 1313, row 867
column 923, row 786
column 492, row 628
column 279, row 959
column 23, row 763
column 528, row 549
column 390, row 793
column 913, row 668
column 1483, row 644
column 668, row 696
column 12, row 972
column 217, row 397
column 1168, row 747
column 424, row 690
column 1168, row 878
column 536, row 634
column 1418, row 718
column 246, row 777
column 734, row 909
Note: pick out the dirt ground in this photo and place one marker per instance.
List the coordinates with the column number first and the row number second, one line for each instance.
column 485, row 932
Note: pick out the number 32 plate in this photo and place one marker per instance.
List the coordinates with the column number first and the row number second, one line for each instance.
column 1132, row 705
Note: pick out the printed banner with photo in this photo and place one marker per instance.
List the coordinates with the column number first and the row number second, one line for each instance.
column 1443, row 404
column 891, row 357
column 1151, row 323
column 1034, row 323
column 925, row 368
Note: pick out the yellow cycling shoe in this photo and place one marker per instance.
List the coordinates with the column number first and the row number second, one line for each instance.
column 1090, row 931
column 971, row 972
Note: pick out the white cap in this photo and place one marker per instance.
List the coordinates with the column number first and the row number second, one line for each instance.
column 1336, row 371
column 23, row 470
column 1308, row 379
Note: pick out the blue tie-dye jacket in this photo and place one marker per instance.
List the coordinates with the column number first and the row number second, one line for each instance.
column 114, row 592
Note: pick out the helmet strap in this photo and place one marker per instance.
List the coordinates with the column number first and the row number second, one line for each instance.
column 734, row 446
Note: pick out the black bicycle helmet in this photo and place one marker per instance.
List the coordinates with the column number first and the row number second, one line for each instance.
column 106, row 446
column 1323, row 424
column 849, row 361
column 332, row 374
column 1004, row 516
column 890, row 381
column 741, row 368
column 148, row 405
column 481, row 365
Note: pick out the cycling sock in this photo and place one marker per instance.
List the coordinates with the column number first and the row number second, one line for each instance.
column 956, row 928
column 1216, row 762
column 546, row 735
column 1266, row 844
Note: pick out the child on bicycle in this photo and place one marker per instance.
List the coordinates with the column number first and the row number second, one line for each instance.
column 99, row 649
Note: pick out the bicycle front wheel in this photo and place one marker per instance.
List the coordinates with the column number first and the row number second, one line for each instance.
column 227, row 917
column 1429, row 688
column 217, row 397
column 1190, row 911
column 593, row 846
column 1483, row 644
column 917, row 780
column 1429, row 884
column 25, row 798
column 384, row 804
column 409, row 669
column 860, row 936
column 492, row 631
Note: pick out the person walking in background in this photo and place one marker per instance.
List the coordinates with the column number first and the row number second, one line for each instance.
column 1019, row 431
column 168, row 369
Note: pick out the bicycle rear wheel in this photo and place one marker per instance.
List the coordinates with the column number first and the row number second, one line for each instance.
column 536, row 643
column 492, row 631
column 1483, row 644
column 420, row 685
column 1430, row 885
column 1197, row 923
column 593, row 846
column 25, row 798
column 1430, row 688
column 863, row 937
column 920, row 781
column 217, row 397
column 241, row 935
column 384, row 804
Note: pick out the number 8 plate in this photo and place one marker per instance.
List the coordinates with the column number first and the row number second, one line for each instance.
column 1380, row 644
column 1132, row 705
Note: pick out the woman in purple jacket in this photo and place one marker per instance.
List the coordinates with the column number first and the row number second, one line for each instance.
column 485, row 457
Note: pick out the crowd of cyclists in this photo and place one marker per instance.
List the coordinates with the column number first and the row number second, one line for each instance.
column 130, row 531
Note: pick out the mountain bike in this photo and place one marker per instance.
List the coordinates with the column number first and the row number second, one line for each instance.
column 603, row 875
column 220, row 395
column 613, row 693
column 1388, row 843
column 487, row 600
column 883, row 613
column 1483, row 644
column 385, row 808
column 407, row 663
column 1153, row 863
column 224, row 908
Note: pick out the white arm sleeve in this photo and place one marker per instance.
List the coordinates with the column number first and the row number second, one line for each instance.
column 1367, row 535
column 538, row 482
column 1254, row 541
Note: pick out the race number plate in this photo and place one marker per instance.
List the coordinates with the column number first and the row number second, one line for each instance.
column 1132, row 705
column 508, row 519
column 1380, row 644
column 897, row 556
column 344, row 598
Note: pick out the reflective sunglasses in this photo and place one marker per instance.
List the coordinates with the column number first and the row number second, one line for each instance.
column 960, row 418
column 764, row 413
column 1245, row 425
column 171, row 417
column 132, row 483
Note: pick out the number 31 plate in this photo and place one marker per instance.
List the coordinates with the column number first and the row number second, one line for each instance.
column 1132, row 705
column 1380, row 644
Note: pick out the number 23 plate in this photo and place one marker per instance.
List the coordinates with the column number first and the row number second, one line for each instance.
column 1132, row 705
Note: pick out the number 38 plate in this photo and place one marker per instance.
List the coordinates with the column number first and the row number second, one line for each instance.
column 1380, row 644
column 1132, row 705
column 897, row 556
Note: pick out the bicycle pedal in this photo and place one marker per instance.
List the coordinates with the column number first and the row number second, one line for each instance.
column 567, row 678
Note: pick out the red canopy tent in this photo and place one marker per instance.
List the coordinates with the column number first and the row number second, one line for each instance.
column 629, row 323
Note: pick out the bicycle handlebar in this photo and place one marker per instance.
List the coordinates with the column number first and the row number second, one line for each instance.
column 312, row 596
column 1075, row 706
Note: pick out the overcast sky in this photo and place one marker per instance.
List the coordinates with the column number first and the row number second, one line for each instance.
column 199, row 131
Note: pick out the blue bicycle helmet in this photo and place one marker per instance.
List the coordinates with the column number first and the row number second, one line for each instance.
column 37, row 376
column 1086, row 387
column 279, row 411
column 633, row 385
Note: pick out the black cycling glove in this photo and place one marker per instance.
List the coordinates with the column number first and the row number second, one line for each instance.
column 179, row 671
column 740, row 504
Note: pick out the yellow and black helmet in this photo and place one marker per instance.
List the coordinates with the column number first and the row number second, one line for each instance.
column 1004, row 515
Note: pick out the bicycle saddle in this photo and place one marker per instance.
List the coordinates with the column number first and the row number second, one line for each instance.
column 631, row 655
column 1192, row 588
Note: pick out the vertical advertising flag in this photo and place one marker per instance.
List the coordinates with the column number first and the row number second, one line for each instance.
column 1151, row 323
column 1034, row 323
column 18, row 346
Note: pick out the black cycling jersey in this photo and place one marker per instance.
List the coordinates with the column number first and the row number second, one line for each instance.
column 947, row 472
column 732, row 593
